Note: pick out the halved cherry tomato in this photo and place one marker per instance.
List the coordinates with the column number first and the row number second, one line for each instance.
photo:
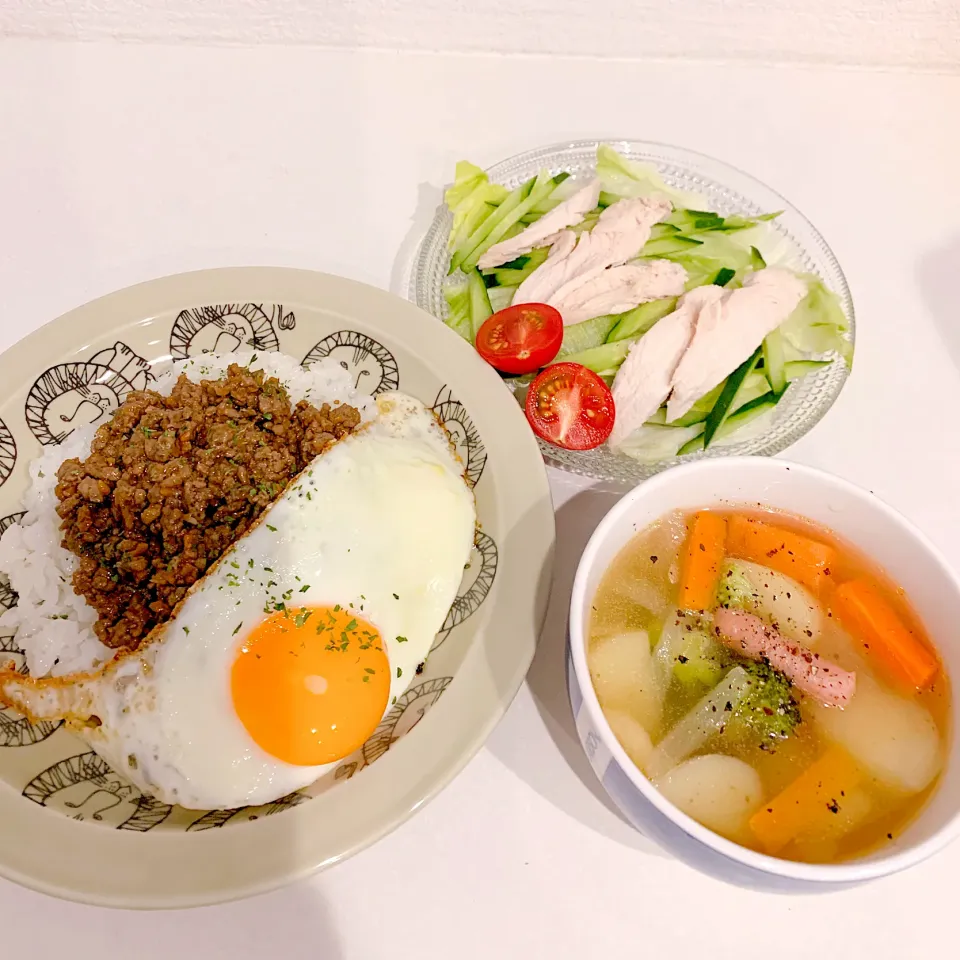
column 570, row 407
column 522, row 338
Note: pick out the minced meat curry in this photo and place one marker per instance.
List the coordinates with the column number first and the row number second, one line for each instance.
column 172, row 481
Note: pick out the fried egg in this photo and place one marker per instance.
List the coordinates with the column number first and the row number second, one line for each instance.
column 286, row 655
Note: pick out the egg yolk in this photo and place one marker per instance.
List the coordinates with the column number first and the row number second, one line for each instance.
column 311, row 684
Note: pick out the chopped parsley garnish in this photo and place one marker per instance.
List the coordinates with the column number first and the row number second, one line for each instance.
column 304, row 588
column 396, row 596
column 399, row 673
column 302, row 617
column 401, row 639
column 236, row 629
column 271, row 528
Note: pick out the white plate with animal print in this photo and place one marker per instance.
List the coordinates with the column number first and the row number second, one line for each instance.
column 74, row 827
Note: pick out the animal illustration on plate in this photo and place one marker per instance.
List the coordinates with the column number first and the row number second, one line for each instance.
column 454, row 417
column 83, row 787
column 372, row 366
column 225, row 328
column 477, row 582
column 75, row 394
column 408, row 711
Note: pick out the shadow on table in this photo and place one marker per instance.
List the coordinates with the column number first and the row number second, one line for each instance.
column 936, row 277
column 429, row 198
column 296, row 917
column 576, row 521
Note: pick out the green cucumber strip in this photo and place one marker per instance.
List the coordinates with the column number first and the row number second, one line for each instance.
column 471, row 221
column 607, row 199
column 722, row 247
column 511, row 203
column 724, row 276
column 756, row 259
column 722, row 408
column 518, row 263
column 686, row 220
column 605, row 359
column 514, row 276
column 746, row 414
column 700, row 270
column 542, row 188
column 639, row 320
column 660, row 230
column 500, row 297
column 490, row 280
column 585, row 336
column 701, row 409
column 480, row 307
column 659, row 418
column 550, row 201
column 669, row 245
column 795, row 369
column 754, row 385
column 773, row 363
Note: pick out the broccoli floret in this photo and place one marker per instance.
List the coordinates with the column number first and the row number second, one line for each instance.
column 735, row 588
column 768, row 712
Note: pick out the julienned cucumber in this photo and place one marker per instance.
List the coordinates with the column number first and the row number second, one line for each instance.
column 773, row 365
column 640, row 319
column 746, row 414
column 604, row 359
column 543, row 186
column 512, row 201
column 508, row 276
column 480, row 307
column 585, row 335
column 725, row 402
column 667, row 246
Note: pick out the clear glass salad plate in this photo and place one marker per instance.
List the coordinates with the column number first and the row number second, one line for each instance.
column 791, row 241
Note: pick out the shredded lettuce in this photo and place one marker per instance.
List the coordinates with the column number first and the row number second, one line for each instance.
column 818, row 325
column 651, row 443
column 471, row 198
column 626, row 178
column 458, row 317
column 467, row 178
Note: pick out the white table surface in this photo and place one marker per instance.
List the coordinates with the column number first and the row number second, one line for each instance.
column 121, row 163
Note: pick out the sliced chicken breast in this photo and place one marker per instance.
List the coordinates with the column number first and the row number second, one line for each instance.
column 566, row 214
column 622, row 230
column 729, row 330
column 618, row 289
column 644, row 379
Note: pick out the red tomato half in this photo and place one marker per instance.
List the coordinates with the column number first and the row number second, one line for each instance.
column 521, row 339
column 570, row 407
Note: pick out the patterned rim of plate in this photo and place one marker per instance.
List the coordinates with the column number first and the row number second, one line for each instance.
column 136, row 852
column 728, row 191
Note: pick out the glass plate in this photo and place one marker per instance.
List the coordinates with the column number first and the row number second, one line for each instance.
column 727, row 191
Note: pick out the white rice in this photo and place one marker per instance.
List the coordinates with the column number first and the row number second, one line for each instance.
column 52, row 624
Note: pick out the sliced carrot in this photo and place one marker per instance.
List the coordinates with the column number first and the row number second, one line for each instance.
column 863, row 610
column 702, row 557
column 810, row 800
column 807, row 561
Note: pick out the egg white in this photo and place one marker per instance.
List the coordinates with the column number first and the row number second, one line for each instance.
column 383, row 522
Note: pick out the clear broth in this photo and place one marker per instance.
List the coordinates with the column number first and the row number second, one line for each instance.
column 639, row 591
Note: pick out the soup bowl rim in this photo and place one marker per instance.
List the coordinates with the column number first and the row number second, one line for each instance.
column 874, row 865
